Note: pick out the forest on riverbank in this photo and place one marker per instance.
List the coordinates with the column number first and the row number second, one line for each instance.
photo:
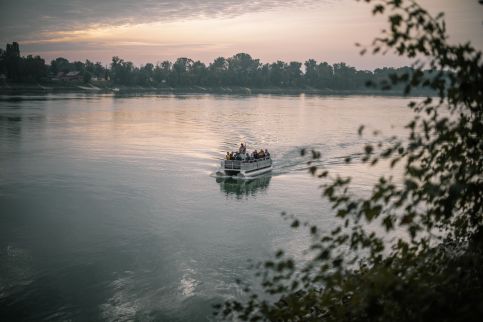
column 238, row 71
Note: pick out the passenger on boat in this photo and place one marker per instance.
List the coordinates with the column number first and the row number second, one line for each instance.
column 227, row 156
column 255, row 154
column 238, row 157
column 242, row 149
column 267, row 154
column 261, row 154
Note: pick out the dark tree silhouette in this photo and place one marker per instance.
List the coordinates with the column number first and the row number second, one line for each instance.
column 240, row 70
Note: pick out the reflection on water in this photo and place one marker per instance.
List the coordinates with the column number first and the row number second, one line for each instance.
column 243, row 188
column 10, row 126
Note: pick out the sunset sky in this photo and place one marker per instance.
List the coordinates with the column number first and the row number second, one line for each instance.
column 152, row 31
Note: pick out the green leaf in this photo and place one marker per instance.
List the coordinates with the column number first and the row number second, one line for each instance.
column 378, row 9
column 368, row 149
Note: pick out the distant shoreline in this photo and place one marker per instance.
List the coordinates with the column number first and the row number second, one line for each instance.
column 104, row 87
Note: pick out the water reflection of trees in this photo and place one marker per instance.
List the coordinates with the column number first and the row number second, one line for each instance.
column 10, row 126
column 243, row 188
column 12, row 123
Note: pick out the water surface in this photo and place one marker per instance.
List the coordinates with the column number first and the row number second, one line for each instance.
column 109, row 209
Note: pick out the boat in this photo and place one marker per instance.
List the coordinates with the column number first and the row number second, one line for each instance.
column 245, row 168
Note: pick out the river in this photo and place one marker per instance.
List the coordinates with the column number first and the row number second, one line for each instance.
column 110, row 209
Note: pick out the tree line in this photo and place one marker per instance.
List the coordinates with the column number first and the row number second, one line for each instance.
column 238, row 70
column 18, row 68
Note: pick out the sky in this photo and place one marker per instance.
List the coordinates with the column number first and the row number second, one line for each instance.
column 144, row 31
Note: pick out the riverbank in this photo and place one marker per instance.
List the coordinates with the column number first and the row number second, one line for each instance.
column 9, row 88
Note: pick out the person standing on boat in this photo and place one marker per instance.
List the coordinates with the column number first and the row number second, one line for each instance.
column 242, row 149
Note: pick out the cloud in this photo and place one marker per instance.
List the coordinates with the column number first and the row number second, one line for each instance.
column 30, row 19
column 98, row 46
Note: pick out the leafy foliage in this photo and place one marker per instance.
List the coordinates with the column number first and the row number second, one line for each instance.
column 434, row 271
column 19, row 68
column 239, row 70
column 244, row 71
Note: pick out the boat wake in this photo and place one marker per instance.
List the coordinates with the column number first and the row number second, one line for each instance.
column 289, row 159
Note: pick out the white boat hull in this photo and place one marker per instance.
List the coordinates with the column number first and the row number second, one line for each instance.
column 245, row 169
column 245, row 174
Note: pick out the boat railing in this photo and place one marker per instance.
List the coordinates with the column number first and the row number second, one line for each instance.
column 256, row 164
column 246, row 164
column 255, row 160
column 232, row 164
